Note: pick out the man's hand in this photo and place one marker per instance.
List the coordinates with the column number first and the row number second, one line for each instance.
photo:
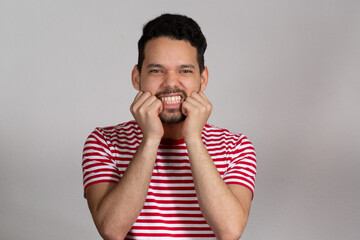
column 225, row 207
column 145, row 109
column 197, row 110
column 116, row 206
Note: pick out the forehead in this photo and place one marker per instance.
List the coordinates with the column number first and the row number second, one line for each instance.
column 164, row 50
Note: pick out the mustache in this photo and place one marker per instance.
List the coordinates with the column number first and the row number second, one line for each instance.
column 169, row 91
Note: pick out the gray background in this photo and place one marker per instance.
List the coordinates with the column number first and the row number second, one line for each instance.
column 285, row 73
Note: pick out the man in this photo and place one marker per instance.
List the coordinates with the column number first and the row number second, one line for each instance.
column 169, row 174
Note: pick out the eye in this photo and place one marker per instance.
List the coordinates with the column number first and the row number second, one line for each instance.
column 154, row 71
column 186, row 71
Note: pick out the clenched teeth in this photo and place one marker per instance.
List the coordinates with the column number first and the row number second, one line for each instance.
column 171, row 99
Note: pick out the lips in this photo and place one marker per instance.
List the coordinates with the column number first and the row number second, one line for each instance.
column 171, row 100
column 171, row 96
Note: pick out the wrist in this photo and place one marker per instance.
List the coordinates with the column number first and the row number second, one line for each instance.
column 151, row 141
column 193, row 139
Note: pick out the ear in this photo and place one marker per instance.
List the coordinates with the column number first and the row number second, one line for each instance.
column 135, row 78
column 204, row 79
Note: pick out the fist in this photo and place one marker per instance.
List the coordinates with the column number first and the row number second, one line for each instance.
column 197, row 110
column 145, row 109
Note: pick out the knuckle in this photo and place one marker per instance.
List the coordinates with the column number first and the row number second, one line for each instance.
column 132, row 108
column 141, row 110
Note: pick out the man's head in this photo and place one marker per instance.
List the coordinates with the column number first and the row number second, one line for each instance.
column 171, row 63
column 176, row 27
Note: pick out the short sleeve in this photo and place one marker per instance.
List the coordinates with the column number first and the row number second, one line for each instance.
column 98, row 164
column 242, row 166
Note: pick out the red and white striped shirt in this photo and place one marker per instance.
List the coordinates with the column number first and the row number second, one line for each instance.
column 171, row 209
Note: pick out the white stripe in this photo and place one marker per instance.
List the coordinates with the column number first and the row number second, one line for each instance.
column 170, row 231
column 104, row 166
column 171, row 205
column 101, row 173
column 172, row 178
column 173, row 157
column 172, row 184
column 169, row 224
column 156, row 238
column 171, row 198
column 170, row 211
column 240, row 181
column 173, row 191
column 171, row 218
column 100, row 178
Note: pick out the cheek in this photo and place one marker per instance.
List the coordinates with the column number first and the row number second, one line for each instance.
column 150, row 84
column 191, row 84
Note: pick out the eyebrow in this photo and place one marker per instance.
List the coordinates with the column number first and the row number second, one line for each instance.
column 187, row 66
column 153, row 65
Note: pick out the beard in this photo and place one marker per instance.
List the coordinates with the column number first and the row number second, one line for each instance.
column 172, row 116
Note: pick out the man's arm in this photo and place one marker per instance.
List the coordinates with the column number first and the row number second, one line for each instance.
column 225, row 207
column 115, row 207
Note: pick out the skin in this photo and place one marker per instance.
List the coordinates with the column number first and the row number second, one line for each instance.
column 169, row 64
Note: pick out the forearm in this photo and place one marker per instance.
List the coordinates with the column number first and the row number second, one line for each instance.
column 220, row 207
column 120, row 208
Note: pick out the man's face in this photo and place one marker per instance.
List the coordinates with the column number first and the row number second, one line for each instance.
column 170, row 71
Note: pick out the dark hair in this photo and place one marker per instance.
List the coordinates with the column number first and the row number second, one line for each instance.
column 177, row 27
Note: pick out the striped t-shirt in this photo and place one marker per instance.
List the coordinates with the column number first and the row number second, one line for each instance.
column 171, row 209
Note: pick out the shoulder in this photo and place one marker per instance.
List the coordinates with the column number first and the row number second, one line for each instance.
column 109, row 135
column 211, row 132
column 126, row 128
column 215, row 131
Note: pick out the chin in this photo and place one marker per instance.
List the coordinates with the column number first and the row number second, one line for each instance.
column 171, row 117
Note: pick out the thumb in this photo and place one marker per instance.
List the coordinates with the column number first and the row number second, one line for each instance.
column 161, row 108
column 184, row 109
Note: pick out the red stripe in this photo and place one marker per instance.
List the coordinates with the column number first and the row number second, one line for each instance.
column 171, row 221
column 169, row 235
column 172, row 181
column 172, row 208
column 148, row 200
column 169, row 188
column 175, row 195
column 98, row 181
column 171, row 228
column 152, row 214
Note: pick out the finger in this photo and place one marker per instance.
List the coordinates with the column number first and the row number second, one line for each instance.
column 140, row 98
column 148, row 101
column 156, row 105
column 188, row 106
column 137, row 97
column 201, row 98
column 197, row 106
column 197, row 101
column 132, row 106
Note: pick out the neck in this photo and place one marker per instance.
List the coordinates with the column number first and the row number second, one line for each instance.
column 172, row 131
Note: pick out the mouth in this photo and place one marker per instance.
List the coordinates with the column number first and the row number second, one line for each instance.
column 172, row 100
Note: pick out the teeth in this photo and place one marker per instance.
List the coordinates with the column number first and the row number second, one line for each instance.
column 172, row 99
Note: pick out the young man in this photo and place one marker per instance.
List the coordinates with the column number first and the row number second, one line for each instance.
column 169, row 174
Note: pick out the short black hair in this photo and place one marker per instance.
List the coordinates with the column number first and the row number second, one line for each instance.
column 177, row 27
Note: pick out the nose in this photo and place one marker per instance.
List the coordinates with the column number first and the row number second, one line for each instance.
column 171, row 79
